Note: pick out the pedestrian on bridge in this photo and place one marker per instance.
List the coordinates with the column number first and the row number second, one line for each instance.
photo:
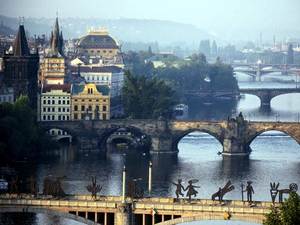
column 191, row 189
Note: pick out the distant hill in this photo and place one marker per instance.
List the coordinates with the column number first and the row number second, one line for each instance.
column 126, row 30
column 4, row 30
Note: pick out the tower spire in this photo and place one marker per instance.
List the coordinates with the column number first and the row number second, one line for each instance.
column 56, row 39
column 20, row 47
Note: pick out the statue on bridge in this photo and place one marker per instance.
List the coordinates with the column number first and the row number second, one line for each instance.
column 53, row 187
column 292, row 188
column 94, row 188
column 222, row 191
column 134, row 190
column 191, row 189
column 250, row 191
column 179, row 187
column 274, row 191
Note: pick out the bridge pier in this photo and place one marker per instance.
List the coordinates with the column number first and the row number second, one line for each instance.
column 265, row 99
column 233, row 147
column 124, row 214
column 162, row 144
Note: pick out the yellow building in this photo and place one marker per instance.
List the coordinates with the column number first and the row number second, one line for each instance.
column 90, row 102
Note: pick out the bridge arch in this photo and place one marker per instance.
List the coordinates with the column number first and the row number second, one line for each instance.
column 252, row 137
column 131, row 134
column 181, row 135
column 29, row 209
column 255, row 219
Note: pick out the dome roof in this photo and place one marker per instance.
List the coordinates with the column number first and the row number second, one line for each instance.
column 97, row 39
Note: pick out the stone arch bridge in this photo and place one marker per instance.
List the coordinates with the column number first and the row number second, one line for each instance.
column 235, row 135
column 110, row 210
column 266, row 94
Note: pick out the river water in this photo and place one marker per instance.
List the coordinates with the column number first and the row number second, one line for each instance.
column 275, row 157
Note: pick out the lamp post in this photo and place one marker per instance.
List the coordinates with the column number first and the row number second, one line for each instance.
column 150, row 178
column 124, row 184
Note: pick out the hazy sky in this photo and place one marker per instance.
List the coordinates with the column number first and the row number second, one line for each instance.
column 212, row 15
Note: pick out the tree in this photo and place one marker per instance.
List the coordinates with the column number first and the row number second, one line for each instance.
column 146, row 98
column 287, row 214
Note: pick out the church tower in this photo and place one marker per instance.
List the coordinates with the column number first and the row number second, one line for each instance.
column 21, row 69
column 53, row 67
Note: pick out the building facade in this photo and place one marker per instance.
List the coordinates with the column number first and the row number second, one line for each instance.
column 98, row 47
column 90, row 102
column 53, row 69
column 21, row 69
column 55, row 102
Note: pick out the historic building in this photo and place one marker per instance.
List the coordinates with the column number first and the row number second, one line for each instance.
column 53, row 69
column 112, row 76
column 55, row 102
column 21, row 69
column 98, row 47
column 90, row 102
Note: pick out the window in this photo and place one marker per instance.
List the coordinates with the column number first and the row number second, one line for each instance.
column 44, row 117
column 44, row 102
column 59, row 109
column 59, row 132
column 59, row 117
column 49, row 102
column 104, row 116
column 53, row 102
column 63, row 109
column 48, row 117
column 53, row 109
column 52, row 132
column 44, row 109
column 104, row 108
column 90, row 108
column 68, row 110
column 68, row 102
column 75, row 116
column 53, row 117
column 59, row 102
column 64, row 102
column 48, row 109
column 82, row 108
column 75, row 107
column 69, row 117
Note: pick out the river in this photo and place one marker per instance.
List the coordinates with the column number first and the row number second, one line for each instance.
column 275, row 157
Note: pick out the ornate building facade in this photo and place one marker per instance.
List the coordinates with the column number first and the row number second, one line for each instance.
column 21, row 69
column 90, row 102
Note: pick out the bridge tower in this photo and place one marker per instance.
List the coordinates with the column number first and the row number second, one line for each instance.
column 258, row 71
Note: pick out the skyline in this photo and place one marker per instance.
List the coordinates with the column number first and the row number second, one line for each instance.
column 231, row 19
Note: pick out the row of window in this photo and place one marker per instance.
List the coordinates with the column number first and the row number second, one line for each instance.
column 55, row 97
column 59, row 109
column 59, row 132
column 56, row 102
column 83, row 115
column 83, row 108
column 98, row 51
column 6, row 98
column 89, row 78
column 52, row 117
column 90, row 100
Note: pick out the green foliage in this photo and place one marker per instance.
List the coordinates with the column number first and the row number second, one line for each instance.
column 20, row 136
column 287, row 214
column 194, row 73
column 147, row 97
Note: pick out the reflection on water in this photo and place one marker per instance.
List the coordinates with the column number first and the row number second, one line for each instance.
column 273, row 158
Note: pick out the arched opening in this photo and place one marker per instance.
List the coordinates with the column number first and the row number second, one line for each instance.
column 274, row 145
column 198, row 143
column 289, row 101
column 248, row 102
column 125, row 140
column 60, row 135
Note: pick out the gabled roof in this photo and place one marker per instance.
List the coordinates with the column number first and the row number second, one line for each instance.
column 20, row 47
column 63, row 87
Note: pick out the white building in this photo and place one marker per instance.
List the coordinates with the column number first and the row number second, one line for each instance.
column 55, row 102
column 6, row 94
column 112, row 76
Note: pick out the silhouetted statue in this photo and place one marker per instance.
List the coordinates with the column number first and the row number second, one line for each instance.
column 250, row 191
column 179, row 187
column 134, row 191
column 52, row 186
column 191, row 189
column 32, row 186
column 274, row 191
column 14, row 186
column 292, row 188
column 94, row 188
column 222, row 191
